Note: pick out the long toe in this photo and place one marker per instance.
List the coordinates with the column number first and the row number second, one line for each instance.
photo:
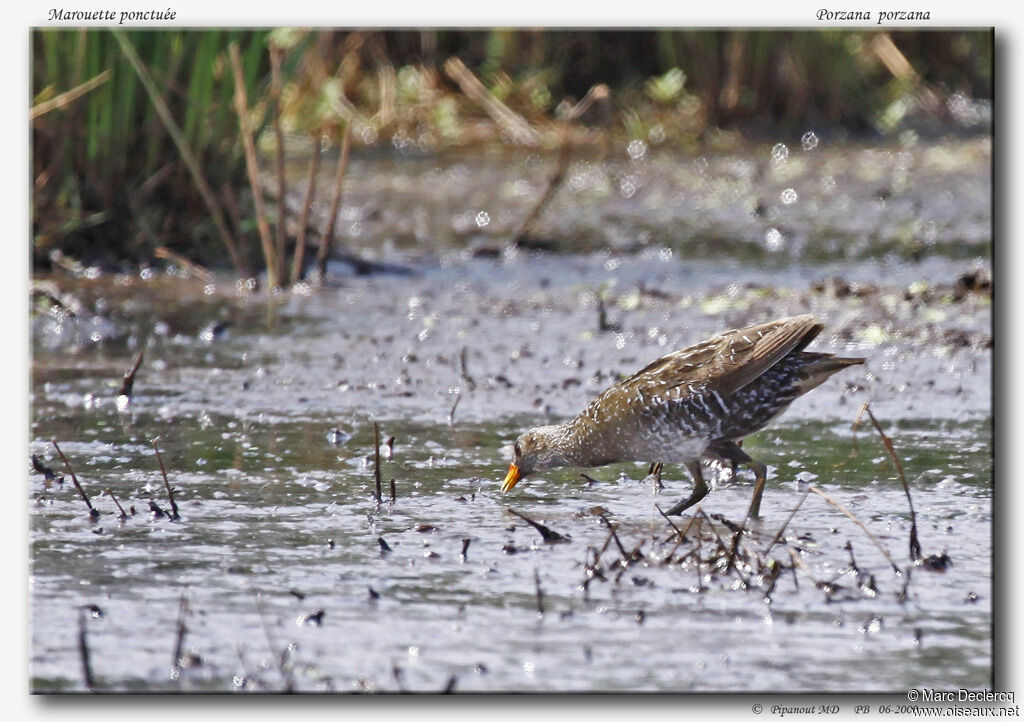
column 686, row 503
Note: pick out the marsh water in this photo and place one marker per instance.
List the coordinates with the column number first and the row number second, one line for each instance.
column 284, row 571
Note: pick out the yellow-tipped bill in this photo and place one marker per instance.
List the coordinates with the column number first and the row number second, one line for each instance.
column 511, row 478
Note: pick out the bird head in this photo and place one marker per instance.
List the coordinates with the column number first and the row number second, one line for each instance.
column 535, row 450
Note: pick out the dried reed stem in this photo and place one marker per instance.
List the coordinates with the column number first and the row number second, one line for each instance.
column 180, row 631
column 128, row 381
column 859, row 523
column 122, row 516
column 327, row 242
column 376, row 462
column 553, row 185
column 307, row 204
column 451, row 412
column 170, row 494
column 275, row 95
column 252, row 168
column 194, row 268
column 93, row 513
column 83, row 652
column 785, row 524
column 915, row 545
column 67, row 97
column 511, row 122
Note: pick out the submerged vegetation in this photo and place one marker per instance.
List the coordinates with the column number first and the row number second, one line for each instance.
column 162, row 145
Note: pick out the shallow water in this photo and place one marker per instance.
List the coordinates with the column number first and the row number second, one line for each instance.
column 278, row 523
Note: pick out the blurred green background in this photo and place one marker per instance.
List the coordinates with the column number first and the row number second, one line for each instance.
column 127, row 127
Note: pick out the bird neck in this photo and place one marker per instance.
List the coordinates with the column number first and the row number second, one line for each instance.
column 564, row 445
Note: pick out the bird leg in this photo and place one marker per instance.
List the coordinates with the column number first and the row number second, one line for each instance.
column 733, row 463
column 761, row 476
column 730, row 451
column 655, row 472
column 700, row 490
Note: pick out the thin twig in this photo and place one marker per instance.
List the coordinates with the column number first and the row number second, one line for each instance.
column 800, row 563
column 549, row 535
column 603, row 549
column 93, row 513
column 859, row 523
column 83, row 652
column 181, row 629
column 170, row 494
column 778, row 535
column 279, row 658
column 670, row 522
column 376, row 462
column 122, row 516
column 615, row 537
column 553, row 185
column 735, row 545
column 736, row 537
column 915, row 545
column 129, row 376
column 721, row 544
column 596, row 93
column 463, row 370
column 194, row 268
column 451, row 412
column 681, row 539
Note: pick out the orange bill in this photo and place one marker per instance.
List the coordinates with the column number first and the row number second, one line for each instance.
column 511, row 479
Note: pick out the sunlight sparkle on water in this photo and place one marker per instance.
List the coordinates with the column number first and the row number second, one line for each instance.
column 774, row 240
column 637, row 149
column 780, row 154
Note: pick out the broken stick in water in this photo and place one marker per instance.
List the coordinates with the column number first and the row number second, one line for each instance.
column 93, row 513
column 170, row 494
column 376, row 462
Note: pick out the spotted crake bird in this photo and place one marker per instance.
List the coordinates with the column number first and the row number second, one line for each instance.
column 696, row 403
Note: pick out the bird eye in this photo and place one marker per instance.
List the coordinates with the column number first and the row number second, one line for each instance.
column 516, row 449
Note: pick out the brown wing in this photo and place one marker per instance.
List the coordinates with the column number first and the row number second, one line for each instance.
column 729, row 361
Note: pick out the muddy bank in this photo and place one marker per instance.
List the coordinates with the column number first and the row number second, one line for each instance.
column 774, row 204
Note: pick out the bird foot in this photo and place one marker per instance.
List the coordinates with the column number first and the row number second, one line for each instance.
column 688, row 502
